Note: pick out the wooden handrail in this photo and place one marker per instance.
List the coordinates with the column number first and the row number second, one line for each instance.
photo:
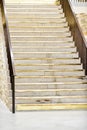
column 76, row 31
column 9, row 52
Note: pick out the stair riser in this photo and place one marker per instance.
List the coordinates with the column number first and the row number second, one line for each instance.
column 53, row 100
column 34, row 10
column 45, row 44
column 45, row 55
column 47, row 20
column 50, row 73
column 48, row 67
column 32, row 6
column 38, row 24
column 53, row 93
column 39, row 29
column 31, row 12
column 28, row 16
column 51, row 86
column 40, row 34
column 43, row 49
column 45, row 80
column 41, row 39
column 58, row 61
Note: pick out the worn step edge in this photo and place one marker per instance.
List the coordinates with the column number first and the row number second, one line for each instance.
column 31, row 107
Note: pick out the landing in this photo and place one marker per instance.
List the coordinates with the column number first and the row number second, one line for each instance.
column 56, row 120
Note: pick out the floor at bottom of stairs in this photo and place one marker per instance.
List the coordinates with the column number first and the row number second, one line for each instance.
column 43, row 120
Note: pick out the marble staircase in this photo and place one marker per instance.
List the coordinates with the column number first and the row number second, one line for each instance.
column 49, row 73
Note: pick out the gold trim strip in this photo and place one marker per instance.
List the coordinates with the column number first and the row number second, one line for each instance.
column 26, row 107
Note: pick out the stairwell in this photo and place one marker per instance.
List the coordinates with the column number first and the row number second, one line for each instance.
column 49, row 73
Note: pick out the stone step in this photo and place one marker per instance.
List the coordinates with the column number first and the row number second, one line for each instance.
column 43, row 43
column 47, row 20
column 28, row 16
column 43, row 49
column 36, row 28
column 46, row 79
column 47, row 72
column 47, row 60
column 51, row 99
column 32, row 6
column 37, row 33
column 45, row 55
column 40, row 67
column 34, row 10
column 35, row 23
column 41, row 38
column 47, row 107
column 50, row 92
column 57, row 85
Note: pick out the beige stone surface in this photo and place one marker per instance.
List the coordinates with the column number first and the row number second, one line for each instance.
column 4, row 87
column 82, row 17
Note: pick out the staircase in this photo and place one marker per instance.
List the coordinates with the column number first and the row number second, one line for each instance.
column 49, row 73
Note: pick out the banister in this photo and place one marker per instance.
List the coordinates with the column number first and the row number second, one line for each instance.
column 9, row 52
column 76, row 31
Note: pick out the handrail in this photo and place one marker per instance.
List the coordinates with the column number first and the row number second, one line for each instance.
column 9, row 52
column 76, row 31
